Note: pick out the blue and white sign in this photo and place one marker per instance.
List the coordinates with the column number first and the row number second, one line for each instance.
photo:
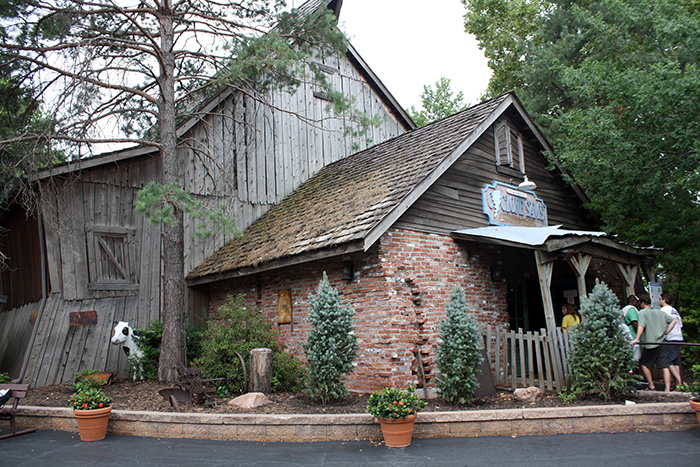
column 507, row 205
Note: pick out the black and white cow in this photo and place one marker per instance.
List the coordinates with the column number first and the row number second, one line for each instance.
column 124, row 335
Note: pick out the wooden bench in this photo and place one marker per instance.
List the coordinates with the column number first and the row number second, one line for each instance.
column 7, row 412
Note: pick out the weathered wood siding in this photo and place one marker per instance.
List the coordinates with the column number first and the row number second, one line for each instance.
column 247, row 155
column 20, row 281
column 15, row 332
column 243, row 155
column 454, row 201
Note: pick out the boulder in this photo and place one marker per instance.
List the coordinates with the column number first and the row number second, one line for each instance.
column 529, row 395
column 250, row 400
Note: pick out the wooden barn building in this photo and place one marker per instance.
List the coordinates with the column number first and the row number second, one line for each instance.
column 398, row 225
column 86, row 258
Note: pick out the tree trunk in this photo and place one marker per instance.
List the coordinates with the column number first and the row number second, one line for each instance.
column 260, row 370
column 172, row 354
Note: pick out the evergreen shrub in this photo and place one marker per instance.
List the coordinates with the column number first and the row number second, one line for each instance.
column 458, row 351
column 331, row 347
column 600, row 358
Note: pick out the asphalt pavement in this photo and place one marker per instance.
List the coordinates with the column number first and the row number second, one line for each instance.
column 59, row 448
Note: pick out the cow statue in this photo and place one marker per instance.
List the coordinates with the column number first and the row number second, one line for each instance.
column 124, row 335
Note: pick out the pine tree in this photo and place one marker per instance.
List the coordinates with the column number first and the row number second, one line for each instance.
column 458, row 351
column 600, row 357
column 332, row 344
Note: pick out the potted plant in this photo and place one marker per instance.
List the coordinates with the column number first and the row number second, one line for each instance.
column 91, row 406
column 396, row 409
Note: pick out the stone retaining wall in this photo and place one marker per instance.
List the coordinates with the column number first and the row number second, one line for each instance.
column 312, row 427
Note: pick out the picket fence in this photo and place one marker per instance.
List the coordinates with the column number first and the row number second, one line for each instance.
column 528, row 359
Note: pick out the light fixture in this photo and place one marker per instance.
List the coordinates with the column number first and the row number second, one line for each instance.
column 527, row 185
column 348, row 270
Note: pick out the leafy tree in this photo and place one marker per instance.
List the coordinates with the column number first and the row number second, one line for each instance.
column 459, row 351
column 331, row 347
column 437, row 103
column 122, row 73
column 600, row 358
column 616, row 87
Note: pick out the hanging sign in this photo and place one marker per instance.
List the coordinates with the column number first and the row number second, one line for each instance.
column 507, row 205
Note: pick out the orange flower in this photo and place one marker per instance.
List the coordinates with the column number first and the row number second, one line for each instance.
column 395, row 402
column 401, row 403
column 100, row 405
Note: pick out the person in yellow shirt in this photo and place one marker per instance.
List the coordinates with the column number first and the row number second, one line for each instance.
column 571, row 316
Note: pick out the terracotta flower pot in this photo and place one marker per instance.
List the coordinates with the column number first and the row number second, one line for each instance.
column 695, row 404
column 93, row 423
column 397, row 433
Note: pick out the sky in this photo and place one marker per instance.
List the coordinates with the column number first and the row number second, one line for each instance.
column 412, row 43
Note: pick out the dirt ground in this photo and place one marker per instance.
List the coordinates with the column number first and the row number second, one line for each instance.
column 143, row 395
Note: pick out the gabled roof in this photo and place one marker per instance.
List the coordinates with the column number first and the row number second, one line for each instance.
column 349, row 204
column 211, row 103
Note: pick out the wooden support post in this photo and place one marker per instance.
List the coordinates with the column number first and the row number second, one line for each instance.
column 629, row 275
column 260, row 370
column 544, row 271
column 580, row 262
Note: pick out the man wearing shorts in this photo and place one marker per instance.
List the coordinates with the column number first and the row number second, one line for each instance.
column 652, row 327
column 676, row 335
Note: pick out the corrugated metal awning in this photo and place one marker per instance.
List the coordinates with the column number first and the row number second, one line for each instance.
column 524, row 236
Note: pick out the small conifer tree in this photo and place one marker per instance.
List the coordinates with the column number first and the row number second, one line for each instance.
column 332, row 345
column 459, row 351
column 600, row 358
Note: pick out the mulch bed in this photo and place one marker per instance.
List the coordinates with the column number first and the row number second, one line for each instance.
column 143, row 395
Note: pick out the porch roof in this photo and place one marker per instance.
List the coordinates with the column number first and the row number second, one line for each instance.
column 554, row 238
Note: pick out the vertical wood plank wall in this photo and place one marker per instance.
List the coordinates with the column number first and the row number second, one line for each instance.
column 243, row 155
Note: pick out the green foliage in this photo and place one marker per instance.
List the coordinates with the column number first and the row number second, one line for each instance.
column 693, row 387
column 569, row 395
column 600, row 358
column 238, row 329
column 615, row 85
column 331, row 347
column 160, row 202
column 691, row 332
column 88, row 393
column 4, row 378
column 458, row 351
column 393, row 403
column 148, row 341
column 437, row 103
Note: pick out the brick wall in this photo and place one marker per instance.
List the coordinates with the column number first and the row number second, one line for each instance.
column 399, row 292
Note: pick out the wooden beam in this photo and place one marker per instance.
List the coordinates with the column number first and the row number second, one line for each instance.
column 579, row 263
column 544, row 272
column 629, row 275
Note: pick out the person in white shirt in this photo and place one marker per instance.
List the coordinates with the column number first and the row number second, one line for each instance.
column 676, row 335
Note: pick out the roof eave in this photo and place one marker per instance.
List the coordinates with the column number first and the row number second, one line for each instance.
column 294, row 260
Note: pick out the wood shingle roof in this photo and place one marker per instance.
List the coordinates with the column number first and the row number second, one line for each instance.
column 346, row 202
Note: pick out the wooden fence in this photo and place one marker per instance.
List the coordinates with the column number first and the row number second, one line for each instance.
column 520, row 359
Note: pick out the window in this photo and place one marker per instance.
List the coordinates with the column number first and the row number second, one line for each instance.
column 509, row 147
column 111, row 258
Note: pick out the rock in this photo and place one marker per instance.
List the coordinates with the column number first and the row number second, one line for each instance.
column 250, row 400
column 529, row 395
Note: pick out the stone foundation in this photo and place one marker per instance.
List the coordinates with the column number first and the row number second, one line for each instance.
column 313, row 427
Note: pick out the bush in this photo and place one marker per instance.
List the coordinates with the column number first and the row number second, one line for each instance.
column 600, row 357
column 458, row 352
column 148, row 341
column 241, row 330
column 331, row 347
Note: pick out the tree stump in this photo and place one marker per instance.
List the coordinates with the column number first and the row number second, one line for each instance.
column 260, row 370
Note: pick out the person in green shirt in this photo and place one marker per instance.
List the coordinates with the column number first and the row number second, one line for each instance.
column 631, row 314
column 652, row 328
